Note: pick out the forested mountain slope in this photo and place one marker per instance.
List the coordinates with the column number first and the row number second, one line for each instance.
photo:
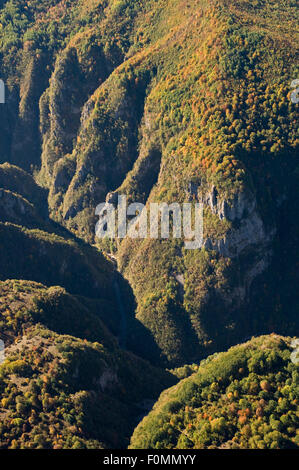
column 245, row 398
column 168, row 101
column 66, row 380
column 163, row 101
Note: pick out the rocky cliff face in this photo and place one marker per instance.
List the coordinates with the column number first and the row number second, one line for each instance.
column 248, row 235
column 247, row 226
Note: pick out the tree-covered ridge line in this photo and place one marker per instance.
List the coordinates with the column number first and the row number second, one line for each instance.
column 160, row 100
column 246, row 398
column 65, row 383
column 151, row 102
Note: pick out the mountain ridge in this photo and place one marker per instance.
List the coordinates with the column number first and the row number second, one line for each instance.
column 160, row 101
